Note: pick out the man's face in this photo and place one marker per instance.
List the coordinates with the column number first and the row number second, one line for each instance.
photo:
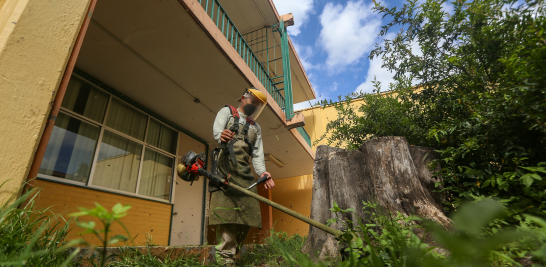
column 249, row 100
column 249, row 104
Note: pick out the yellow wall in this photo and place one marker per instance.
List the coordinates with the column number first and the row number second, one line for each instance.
column 36, row 39
column 145, row 216
column 316, row 119
column 294, row 193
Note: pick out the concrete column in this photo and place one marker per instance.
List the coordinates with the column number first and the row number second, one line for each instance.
column 36, row 41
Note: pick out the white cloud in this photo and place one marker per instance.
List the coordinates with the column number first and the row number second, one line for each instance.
column 348, row 33
column 299, row 8
column 448, row 8
column 383, row 75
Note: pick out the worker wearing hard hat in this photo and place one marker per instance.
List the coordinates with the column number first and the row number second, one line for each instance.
column 241, row 139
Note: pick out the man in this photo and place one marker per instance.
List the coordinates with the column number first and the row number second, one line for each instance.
column 241, row 139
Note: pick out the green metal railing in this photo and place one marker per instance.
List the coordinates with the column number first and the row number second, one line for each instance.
column 219, row 16
column 265, row 42
column 305, row 135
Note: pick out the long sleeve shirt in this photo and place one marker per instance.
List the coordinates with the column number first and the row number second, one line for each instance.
column 220, row 123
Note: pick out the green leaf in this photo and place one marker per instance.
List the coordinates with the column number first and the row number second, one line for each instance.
column 536, row 176
column 527, row 180
column 465, row 218
column 348, row 237
column 78, row 214
column 335, row 208
column 330, row 221
column 116, row 239
column 87, row 225
column 118, row 208
column 535, row 169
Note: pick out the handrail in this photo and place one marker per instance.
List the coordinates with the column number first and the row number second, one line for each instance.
column 234, row 36
column 305, row 135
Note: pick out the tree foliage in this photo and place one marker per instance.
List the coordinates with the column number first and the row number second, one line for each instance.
column 480, row 96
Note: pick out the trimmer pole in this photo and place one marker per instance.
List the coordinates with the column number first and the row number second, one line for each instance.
column 336, row 233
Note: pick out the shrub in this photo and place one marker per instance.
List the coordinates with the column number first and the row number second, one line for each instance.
column 480, row 98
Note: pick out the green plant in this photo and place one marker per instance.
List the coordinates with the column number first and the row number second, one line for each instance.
column 278, row 249
column 363, row 116
column 130, row 256
column 388, row 240
column 30, row 236
column 107, row 219
column 480, row 98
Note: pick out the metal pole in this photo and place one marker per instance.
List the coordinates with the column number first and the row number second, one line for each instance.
column 216, row 179
column 336, row 233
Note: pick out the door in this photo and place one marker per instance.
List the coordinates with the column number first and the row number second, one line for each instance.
column 187, row 218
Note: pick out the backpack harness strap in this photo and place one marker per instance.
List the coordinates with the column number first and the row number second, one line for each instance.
column 245, row 132
column 235, row 128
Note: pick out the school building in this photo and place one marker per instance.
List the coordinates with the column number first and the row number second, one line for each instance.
column 100, row 98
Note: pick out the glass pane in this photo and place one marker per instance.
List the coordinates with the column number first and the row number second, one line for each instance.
column 70, row 149
column 161, row 136
column 118, row 163
column 157, row 171
column 84, row 99
column 126, row 120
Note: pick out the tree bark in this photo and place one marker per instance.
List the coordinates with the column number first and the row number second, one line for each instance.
column 382, row 171
column 422, row 157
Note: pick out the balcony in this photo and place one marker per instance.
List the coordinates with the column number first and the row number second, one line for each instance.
column 265, row 51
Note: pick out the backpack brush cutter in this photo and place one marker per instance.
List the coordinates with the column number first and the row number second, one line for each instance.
column 192, row 167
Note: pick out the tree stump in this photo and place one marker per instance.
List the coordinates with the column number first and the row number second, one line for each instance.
column 382, row 171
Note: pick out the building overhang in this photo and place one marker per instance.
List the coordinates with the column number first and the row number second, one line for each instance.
column 252, row 15
column 164, row 56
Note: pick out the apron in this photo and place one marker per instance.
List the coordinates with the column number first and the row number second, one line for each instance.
column 233, row 207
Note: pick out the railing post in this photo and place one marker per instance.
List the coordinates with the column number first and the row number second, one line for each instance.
column 289, row 105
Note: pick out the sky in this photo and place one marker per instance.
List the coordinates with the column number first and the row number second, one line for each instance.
column 333, row 39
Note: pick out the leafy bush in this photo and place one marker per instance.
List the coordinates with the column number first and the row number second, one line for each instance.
column 480, row 99
column 388, row 240
column 361, row 117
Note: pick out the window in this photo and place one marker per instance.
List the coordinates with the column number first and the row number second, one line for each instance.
column 82, row 98
column 127, row 120
column 162, row 137
column 157, row 172
column 70, row 150
column 118, row 163
column 101, row 141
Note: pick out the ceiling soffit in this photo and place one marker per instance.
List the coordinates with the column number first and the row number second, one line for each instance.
column 155, row 53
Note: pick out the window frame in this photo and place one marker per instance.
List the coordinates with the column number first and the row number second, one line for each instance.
column 102, row 126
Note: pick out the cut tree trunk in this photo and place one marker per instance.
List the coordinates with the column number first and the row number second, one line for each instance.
column 422, row 157
column 382, row 171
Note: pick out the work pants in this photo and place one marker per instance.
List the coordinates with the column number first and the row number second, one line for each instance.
column 231, row 238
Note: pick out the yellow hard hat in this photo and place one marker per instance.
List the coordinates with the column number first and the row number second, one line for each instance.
column 258, row 94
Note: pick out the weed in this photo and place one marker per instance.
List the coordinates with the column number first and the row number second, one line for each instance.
column 32, row 236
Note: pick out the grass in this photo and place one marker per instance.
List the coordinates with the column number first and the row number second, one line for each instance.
column 30, row 236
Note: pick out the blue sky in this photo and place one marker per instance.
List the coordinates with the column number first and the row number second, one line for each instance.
column 333, row 39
